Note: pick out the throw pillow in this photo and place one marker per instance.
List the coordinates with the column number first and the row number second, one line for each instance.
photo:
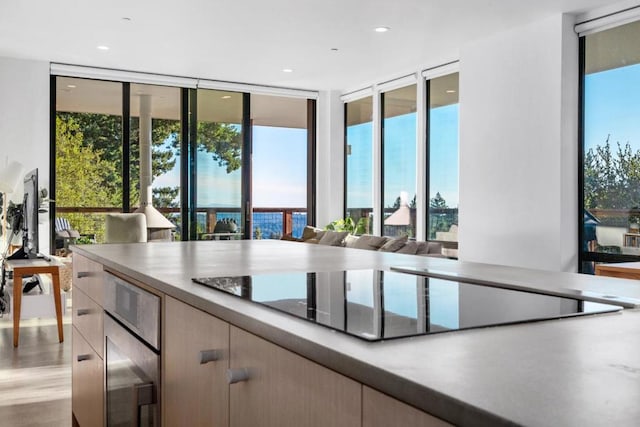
column 333, row 238
column 350, row 241
column 309, row 232
column 369, row 242
column 394, row 244
column 410, row 248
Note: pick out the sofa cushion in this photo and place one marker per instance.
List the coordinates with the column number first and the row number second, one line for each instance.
column 369, row 242
column 351, row 240
column 309, row 232
column 333, row 238
column 394, row 244
column 410, row 248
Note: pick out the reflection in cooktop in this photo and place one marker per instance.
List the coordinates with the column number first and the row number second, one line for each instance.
column 377, row 305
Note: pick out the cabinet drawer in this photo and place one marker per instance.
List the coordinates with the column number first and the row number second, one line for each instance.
column 87, row 276
column 284, row 389
column 87, row 387
column 88, row 318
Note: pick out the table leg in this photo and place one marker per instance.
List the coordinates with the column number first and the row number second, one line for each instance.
column 17, row 301
column 56, row 299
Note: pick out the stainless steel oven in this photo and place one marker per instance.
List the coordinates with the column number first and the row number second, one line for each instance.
column 132, row 354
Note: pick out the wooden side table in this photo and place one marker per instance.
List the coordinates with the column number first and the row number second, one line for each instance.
column 624, row 270
column 28, row 267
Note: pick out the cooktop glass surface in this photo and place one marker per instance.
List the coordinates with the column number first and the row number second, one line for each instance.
column 377, row 305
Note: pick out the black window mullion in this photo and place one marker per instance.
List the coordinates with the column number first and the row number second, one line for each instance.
column 184, row 164
column 246, row 214
column 381, row 118
column 581, row 106
column 52, row 161
column 126, row 147
column 427, row 171
column 193, row 164
column 311, row 161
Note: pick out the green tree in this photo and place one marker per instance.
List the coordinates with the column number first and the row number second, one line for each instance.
column 80, row 172
column 611, row 179
column 438, row 201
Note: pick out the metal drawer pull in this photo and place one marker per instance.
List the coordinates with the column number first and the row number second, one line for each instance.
column 83, row 274
column 237, row 375
column 207, row 356
column 83, row 311
column 83, row 357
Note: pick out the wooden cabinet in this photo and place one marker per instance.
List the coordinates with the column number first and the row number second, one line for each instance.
column 196, row 392
column 87, row 389
column 380, row 410
column 87, row 365
column 87, row 276
column 284, row 389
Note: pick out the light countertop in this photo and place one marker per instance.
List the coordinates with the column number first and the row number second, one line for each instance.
column 572, row 372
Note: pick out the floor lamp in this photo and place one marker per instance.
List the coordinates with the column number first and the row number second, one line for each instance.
column 9, row 177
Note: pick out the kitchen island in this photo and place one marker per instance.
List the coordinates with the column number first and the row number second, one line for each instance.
column 579, row 371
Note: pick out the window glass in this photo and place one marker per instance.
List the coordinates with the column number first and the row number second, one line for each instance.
column 359, row 163
column 611, row 204
column 219, row 165
column 88, row 154
column 399, row 161
column 443, row 158
column 279, row 166
column 157, row 108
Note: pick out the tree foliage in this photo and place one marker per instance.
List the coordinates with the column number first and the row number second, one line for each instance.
column 89, row 156
column 611, row 179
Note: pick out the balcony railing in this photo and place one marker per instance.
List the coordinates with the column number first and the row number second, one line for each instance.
column 268, row 222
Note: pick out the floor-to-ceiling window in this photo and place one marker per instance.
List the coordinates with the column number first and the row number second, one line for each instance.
column 218, row 164
column 610, row 174
column 219, row 158
column 88, row 160
column 155, row 133
column 359, row 162
column 398, row 109
column 442, row 122
column 279, row 165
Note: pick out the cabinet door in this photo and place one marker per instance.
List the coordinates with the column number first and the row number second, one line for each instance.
column 87, row 386
column 195, row 389
column 284, row 389
column 380, row 410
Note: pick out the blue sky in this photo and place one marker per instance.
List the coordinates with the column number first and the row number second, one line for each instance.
column 612, row 106
column 279, row 172
column 400, row 167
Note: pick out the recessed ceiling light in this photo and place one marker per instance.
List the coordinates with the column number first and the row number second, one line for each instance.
column 334, row 49
column 381, row 29
column 226, row 97
column 102, row 47
column 451, row 91
column 126, row 18
column 287, row 70
column 71, row 86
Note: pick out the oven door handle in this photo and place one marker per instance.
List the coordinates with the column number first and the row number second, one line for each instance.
column 143, row 395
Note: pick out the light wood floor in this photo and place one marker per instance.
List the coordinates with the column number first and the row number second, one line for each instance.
column 35, row 378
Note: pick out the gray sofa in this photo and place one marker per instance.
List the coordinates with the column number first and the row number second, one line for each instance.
column 400, row 245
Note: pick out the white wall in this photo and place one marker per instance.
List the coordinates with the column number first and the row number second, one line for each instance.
column 330, row 158
column 518, row 147
column 24, row 122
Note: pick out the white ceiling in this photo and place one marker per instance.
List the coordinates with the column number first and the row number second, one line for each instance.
column 252, row 41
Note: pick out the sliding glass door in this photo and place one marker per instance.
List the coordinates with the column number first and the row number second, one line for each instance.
column 218, row 162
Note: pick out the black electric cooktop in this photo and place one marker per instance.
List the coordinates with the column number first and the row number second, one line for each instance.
column 378, row 305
